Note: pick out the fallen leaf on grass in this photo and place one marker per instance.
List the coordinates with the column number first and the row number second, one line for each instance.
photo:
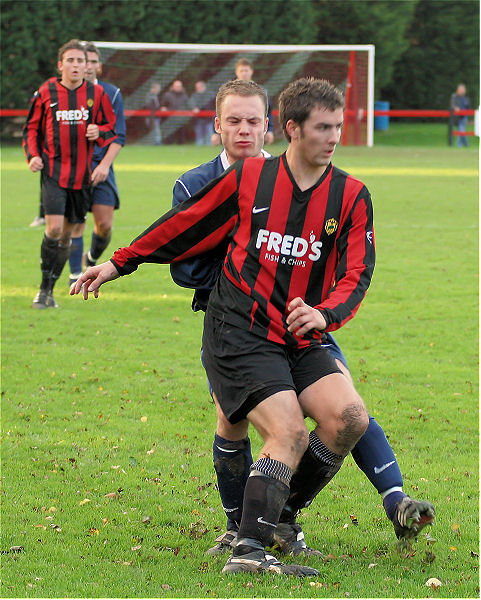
column 135, row 548
column 434, row 583
column 372, row 565
column 94, row 531
column 111, row 495
column 84, row 501
column 165, row 586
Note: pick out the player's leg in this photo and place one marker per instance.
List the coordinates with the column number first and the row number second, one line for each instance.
column 105, row 199
column 251, row 379
column 76, row 252
column 280, row 422
column 232, row 461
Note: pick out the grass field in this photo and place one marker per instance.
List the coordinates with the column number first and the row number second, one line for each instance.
column 107, row 481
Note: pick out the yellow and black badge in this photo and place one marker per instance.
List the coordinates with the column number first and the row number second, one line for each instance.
column 90, row 102
column 331, row 226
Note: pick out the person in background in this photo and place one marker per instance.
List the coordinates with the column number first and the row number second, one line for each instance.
column 68, row 114
column 202, row 99
column 459, row 101
column 153, row 104
column 104, row 193
column 175, row 99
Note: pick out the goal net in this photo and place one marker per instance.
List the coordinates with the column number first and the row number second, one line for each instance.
column 135, row 67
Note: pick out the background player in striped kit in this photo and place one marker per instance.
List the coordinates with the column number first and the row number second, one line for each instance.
column 272, row 302
column 104, row 192
column 241, row 138
column 66, row 116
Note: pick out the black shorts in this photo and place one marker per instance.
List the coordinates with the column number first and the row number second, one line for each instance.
column 72, row 204
column 244, row 369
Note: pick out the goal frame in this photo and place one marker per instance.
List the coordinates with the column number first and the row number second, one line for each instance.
column 268, row 48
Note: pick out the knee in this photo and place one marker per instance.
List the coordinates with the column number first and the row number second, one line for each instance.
column 54, row 233
column 103, row 229
column 353, row 424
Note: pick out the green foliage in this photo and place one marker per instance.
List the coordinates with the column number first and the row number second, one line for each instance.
column 108, row 488
column 443, row 51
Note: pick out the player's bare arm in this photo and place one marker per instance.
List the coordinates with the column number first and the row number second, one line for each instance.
column 302, row 317
column 101, row 171
column 93, row 278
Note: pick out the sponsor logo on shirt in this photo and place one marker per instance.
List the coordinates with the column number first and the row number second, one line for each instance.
column 73, row 116
column 288, row 249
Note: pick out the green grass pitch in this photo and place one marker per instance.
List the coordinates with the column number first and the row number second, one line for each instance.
column 108, row 488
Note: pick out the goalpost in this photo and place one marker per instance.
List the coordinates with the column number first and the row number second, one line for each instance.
column 134, row 67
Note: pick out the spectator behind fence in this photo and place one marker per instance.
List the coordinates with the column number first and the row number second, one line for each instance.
column 175, row 99
column 152, row 102
column 202, row 99
column 459, row 101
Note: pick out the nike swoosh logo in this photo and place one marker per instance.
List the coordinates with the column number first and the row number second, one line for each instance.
column 256, row 210
column 383, row 468
column 224, row 449
column 53, row 104
column 261, row 520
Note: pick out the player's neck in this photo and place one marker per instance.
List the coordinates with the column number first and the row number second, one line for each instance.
column 71, row 85
column 305, row 174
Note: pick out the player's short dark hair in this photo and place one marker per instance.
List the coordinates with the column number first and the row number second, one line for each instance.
column 91, row 47
column 298, row 99
column 239, row 87
column 71, row 45
column 243, row 62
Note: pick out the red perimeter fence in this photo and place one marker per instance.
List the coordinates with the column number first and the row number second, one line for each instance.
column 404, row 113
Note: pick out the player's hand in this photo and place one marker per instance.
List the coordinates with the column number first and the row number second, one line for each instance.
column 99, row 174
column 93, row 278
column 92, row 132
column 302, row 318
column 35, row 164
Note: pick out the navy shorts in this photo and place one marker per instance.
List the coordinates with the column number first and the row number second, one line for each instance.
column 105, row 192
column 72, row 204
column 244, row 369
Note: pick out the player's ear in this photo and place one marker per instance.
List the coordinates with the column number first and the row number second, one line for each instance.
column 217, row 125
column 292, row 129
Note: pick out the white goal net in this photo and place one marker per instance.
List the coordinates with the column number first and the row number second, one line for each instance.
column 135, row 67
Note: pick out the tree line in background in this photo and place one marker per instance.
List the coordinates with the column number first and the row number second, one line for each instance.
column 423, row 47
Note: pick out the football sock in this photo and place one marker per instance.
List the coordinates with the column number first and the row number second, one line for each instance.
column 391, row 498
column 316, row 468
column 97, row 246
column 61, row 259
column 48, row 256
column 76, row 251
column 266, row 492
column 232, row 462
column 375, row 457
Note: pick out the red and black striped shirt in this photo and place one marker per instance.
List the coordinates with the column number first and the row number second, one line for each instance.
column 317, row 244
column 56, row 126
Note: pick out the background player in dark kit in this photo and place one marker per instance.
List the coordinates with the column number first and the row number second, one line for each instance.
column 66, row 116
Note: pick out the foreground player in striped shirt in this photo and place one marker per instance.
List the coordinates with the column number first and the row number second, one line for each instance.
column 299, row 262
column 66, row 116
column 241, row 122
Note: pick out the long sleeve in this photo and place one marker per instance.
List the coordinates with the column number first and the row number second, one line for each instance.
column 356, row 252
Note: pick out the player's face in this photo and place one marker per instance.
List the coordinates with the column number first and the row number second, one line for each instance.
column 317, row 139
column 244, row 72
column 72, row 67
column 93, row 68
column 242, row 126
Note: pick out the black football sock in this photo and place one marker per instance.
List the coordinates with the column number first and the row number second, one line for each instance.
column 48, row 256
column 61, row 259
column 232, row 462
column 97, row 246
column 317, row 467
column 266, row 492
